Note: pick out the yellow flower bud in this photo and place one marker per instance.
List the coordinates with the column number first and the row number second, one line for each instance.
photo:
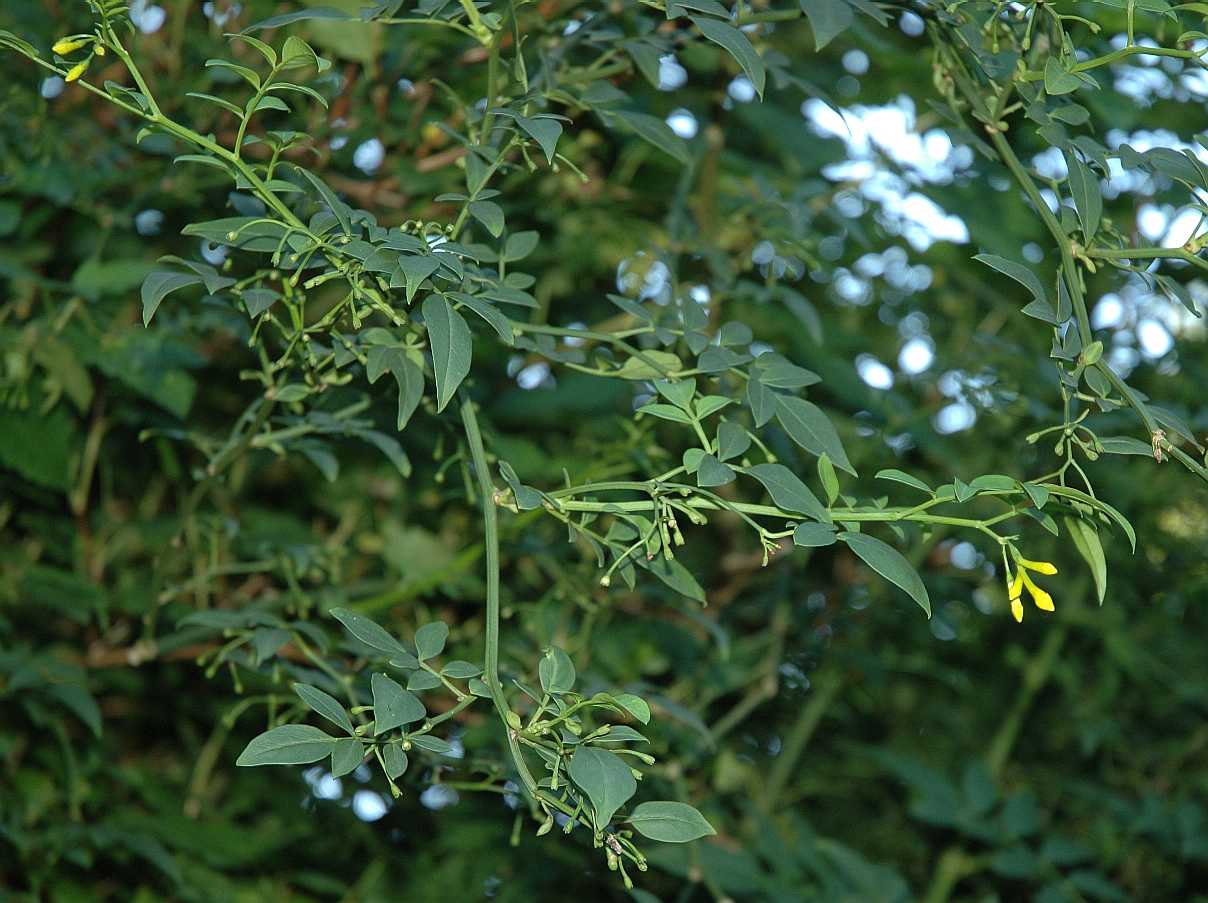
column 100, row 49
column 65, row 46
column 75, row 72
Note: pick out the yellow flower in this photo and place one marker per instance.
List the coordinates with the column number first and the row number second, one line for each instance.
column 65, row 46
column 1040, row 567
column 1042, row 599
column 1013, row 593
column 1023, row 580
column 75, row 72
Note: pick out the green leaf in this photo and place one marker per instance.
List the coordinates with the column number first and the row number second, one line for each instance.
column 678, row 577
column 266, row 642
column 665, row 412
column 1084, row 188
column 669, row 822
column 292, row 393
column 347, row 754
column 410, row 379
column 488, row 312
column 1058, row 79
column 431, row 744
column 890, row 564
column 459, row 670
column 1041, row 307
column 827, row 18
column 788, row 492
column 635, row 706
column 545, row 132
column 394, row 761
column 80, row 703
column 677, row 8
column 814, row 536
column 8, row 39
column 828, row 478
column 317, row 12
column 479, row 688
column 1126, row 445
column 337, row 207
column 217, row 101
column 678, row 392
column 527, row 498
column 374, row 636
column 415, row 270
column 711, row 472
column 810, row 428
column 732, row 440
column 158, row 285
column 556, row 671
column 898, row 476
column 606, row 780
column 430, row 639
column 651, row 365
column 657, row 132
column 710, row 405
column 1069, row 492
column 325, row 705
column 392, row 705
column 258, row 300
column 520, row 245
column 421, row 681
column 489, row 214
column 647, row 58
column 248, row 75
column 780, row 374
column 761, row 400
column 290, row 744
column 314, row 95
column 296, row 52
column 735, row 43
column 452, row 347
column 1036, row 492
column 1086, row 541
column 1016, row 271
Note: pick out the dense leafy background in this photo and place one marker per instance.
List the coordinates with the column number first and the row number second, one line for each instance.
column 845, row 747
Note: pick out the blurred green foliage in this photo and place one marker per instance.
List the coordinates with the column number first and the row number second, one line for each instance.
column 154, row 608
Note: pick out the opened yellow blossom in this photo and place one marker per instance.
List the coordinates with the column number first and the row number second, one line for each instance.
column 75, row 72
column 1040, row 567
column 1024, row 580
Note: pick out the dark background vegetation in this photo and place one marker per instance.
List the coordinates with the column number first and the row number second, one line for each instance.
column 846, row 748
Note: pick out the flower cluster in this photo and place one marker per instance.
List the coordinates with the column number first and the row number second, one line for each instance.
column 69, row 45
column 1024, row 580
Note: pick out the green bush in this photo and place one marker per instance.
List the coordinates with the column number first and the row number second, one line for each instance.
column 491, row 408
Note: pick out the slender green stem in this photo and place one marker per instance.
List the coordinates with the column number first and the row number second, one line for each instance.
column 250, row 110
column 1069, row 270
column 490, row 520
column 1117, row 55
column 1064, row 245
column 1147, row 254
column 123, row 54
